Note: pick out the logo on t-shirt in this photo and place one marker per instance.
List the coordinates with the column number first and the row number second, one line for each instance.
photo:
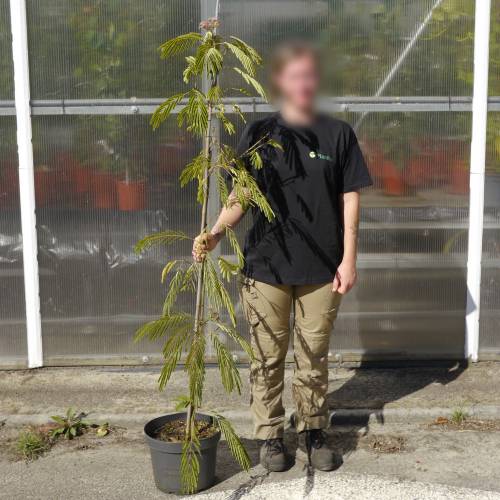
column 320, row 156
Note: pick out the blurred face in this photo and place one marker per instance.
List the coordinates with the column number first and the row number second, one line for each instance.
column 298, row 82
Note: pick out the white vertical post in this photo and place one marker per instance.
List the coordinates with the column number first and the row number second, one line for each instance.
column 477, row 169
column 26, row 180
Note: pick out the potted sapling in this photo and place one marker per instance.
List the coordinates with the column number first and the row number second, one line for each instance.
column 131, row 188
column 183, row 445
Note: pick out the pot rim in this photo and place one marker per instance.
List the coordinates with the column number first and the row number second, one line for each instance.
column 176, row 448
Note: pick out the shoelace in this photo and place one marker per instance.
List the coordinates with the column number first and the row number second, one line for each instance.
column 317, row 438
column 275, row 446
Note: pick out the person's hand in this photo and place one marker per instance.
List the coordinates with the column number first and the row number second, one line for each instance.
column 203, row 244
column 345, row 277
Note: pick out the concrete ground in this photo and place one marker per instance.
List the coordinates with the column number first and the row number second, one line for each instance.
column 384, row 430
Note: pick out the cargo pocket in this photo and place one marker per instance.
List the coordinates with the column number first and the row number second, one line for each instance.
column 250, row 302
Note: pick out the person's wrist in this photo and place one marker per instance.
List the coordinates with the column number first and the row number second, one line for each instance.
column 216, row 234
column 349, row 261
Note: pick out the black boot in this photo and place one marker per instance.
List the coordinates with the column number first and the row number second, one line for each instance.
column 273, row 456
column 320, row 455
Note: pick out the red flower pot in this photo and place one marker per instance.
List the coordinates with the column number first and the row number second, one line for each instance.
column 81, row 178
column 459, row 178
column 46, row 185
column 9, row 184
column 375, row 160
column 131, row 195
column 416, row 172
column 392, row 180
column 104, row 190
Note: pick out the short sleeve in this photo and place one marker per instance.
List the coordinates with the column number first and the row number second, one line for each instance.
column 243, row 145
column 244, row 142
column 355, row 174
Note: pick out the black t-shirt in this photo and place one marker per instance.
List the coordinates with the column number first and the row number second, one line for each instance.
column 303, row 244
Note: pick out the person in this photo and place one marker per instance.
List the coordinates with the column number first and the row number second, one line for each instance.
column 303, row 261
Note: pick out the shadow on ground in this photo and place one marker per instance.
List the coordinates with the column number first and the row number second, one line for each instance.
column 367, row 392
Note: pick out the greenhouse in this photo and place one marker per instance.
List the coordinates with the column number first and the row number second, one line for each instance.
column 83, row 176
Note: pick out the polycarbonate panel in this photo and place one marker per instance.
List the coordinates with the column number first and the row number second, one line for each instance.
column 410, row 298
column 94, row 290
column 494, row 81
column 489, row 320
column 361, row 41
column 13, row 349
column 87, row 49
column 489, row 331
column 6, row 68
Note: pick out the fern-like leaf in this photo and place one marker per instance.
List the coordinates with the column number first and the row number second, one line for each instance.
column 172, row 352
column 161, row 238
column 168, row 267
column 252, row 82
column 190, row 463
column 216, row 291
column 195, row 367
column 179, row 44
column 233, row 441
column 227, row 269
column 213, row 63
column 256, row 160
column 233, row 241
column 245, row 60
column 249, row 50
column 226, row 122
column 174, row 288
column 237, row 111
column 230, row 376
column 233, row 334
column 195, row 169
column 164, row 110
column 163, row 326
column 195, row 113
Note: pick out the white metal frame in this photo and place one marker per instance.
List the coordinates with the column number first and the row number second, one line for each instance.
column 477, row 169
column 24, row 109
column 26, row 181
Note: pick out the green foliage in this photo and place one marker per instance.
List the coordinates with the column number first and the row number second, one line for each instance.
column 185, row 336
column 233, row 441
column 162, row 238
column 459, row 416
column 230, row 375
column 32, row 443
column 179, row 44
column 69, row 425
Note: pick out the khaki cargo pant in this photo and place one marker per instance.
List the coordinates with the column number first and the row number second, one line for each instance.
column 268, row 309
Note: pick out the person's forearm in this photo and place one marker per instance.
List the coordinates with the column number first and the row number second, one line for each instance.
column 350, row 214
column 229, row 216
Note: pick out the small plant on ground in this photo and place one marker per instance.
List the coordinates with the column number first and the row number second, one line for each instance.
column 32, row 443
column 70, row 425
column 459, row 416
column 214, row 318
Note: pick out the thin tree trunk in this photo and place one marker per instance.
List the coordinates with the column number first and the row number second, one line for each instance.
column 200, row 296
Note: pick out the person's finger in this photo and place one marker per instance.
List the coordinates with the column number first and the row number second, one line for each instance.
column 336, row 283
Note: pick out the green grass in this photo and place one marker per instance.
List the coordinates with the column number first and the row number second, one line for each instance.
column 459, row 416
column 31, row 444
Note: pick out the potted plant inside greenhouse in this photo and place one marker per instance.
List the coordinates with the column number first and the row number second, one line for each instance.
column 131, row 187
column 492, row 181
column 394, row 156
column 9, row 177
column 104, row 179
column 183, row 445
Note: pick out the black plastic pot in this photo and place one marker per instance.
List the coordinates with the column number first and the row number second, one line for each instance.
column 166, row 457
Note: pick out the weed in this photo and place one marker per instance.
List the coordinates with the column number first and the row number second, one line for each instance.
column 69, row 426
column 32, row 443
column 459, row 416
